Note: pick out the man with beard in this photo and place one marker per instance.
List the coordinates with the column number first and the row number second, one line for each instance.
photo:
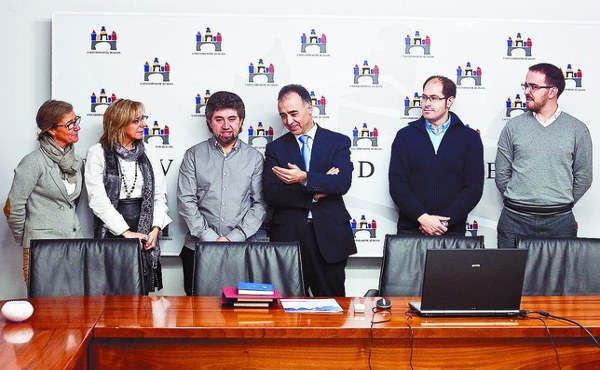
column 219, row 190
column 436, row 166
column 543, row 164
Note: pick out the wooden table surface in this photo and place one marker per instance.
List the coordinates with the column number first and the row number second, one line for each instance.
column 195, row 332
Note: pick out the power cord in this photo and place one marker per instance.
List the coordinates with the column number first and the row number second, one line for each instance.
column 377, row 310
column 409, row 316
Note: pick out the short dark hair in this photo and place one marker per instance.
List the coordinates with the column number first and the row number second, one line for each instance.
column 50, row 114
column 448, row 86
column 295, row 88
column 225, row 100
column 554, row 76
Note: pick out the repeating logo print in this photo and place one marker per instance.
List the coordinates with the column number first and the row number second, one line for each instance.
column 366, row 71
column 157, row 131
column 259, row 132
column 313, row 40
column 468, row 72
column 208, row 38
column 201, row 100
column 516, row 104
column 472, row 228
column 573, row 75
column 417, row 42
column 319, row 104
column 101, row 99
column 414, row 103
column 364, row 134
column 261, row 70
column 157, row 68
column 518, row 43
column 104, row 37
column 364, row 225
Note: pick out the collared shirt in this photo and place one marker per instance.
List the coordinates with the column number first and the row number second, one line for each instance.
column 436, row 137
column 220, row 195
column 550, row 119
column 311, row 133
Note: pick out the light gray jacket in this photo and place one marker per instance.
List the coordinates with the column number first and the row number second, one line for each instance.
column 38, row 203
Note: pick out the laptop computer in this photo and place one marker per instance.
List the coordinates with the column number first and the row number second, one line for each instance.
column 472, row 282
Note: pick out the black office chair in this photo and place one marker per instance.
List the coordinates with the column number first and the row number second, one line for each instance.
column 403, row 261
column 81, row 267
column 225, row 264
column 561, row 266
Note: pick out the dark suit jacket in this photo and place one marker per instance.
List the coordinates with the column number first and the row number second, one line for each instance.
column 291, row 202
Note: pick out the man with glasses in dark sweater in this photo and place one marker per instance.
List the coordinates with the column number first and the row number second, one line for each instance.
column 543, row 164
column 436, row 166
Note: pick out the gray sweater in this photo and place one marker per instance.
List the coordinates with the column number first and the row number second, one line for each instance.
column 544, row 166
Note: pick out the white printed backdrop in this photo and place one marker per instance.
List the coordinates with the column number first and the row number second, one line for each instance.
column 376, row 98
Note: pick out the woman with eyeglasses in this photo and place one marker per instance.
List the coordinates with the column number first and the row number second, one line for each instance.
column 47, row 183
column 126, row 186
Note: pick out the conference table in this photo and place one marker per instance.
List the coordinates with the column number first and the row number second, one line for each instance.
column 132, row 332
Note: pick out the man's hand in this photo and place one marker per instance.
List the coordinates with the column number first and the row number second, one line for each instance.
column 291, row 175
column 331, row 171
column 432, row 224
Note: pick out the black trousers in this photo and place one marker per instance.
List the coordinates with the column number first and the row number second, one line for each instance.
column 187, row 261
column 324, row 279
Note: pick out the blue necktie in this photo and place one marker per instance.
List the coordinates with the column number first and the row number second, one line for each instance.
column 305, row 150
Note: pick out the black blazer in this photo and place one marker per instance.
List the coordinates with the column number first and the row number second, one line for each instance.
column 291, row 202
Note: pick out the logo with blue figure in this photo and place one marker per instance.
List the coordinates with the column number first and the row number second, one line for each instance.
column 364, row 134
column 518, row 43
column 573, row 75
column 414, row 103
column 366, row 71
column 259, row 132
column 313, row 40
column 201, row 100
column 318, row 103
column 417, row 42
column 260, row 69
column 364, row 225
column 104, row 37
column 468, row 73
column 157, row 131
column 208, row 38
column 157, row 68
column 101, row 99
column 472, row 228
column 515, row 105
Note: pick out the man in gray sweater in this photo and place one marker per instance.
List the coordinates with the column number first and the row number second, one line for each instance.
column 543, row 164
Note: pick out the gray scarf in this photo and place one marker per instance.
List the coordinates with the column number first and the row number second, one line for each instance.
column 64, row 158
column 112, row 185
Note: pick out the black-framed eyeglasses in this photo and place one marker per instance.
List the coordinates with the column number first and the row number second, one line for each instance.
column 140, row 119
column 71, row 124
column 534, row 87
column 432, row 98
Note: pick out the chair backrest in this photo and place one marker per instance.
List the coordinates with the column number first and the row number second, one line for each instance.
column 561, row 266
column 403, row 261
column 81, row 267
column 225, row 264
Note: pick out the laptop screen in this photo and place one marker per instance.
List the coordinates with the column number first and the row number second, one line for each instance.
column 473, row 279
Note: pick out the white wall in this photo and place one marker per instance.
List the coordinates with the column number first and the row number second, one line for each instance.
column 25, row 46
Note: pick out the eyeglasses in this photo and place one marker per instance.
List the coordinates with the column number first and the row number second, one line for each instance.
column 534, row 87
column 432, row 98
column 71, row 124
column 140, row 119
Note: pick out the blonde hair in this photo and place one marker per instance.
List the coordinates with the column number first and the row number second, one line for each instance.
column 118, row 115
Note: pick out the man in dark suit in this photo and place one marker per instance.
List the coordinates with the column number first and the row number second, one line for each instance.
column 306, row 173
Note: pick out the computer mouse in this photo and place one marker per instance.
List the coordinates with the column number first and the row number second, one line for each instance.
column 383, row 303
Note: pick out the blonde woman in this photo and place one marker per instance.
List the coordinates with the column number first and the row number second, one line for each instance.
column 126, row 186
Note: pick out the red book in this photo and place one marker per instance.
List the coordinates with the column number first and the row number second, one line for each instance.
column 231, row 298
